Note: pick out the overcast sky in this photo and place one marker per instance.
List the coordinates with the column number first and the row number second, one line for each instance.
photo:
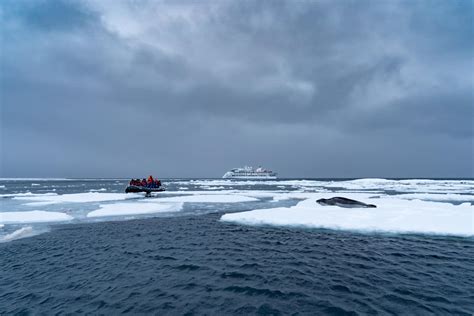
column 192, row 89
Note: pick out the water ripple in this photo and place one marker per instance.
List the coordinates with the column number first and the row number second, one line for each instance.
column 199, row 265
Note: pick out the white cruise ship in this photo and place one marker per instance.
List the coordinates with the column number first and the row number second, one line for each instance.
column 250, row 173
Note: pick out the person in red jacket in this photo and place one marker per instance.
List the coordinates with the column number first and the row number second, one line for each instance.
column 150, row 181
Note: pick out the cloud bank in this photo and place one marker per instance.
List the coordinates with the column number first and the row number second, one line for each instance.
column 192, row 88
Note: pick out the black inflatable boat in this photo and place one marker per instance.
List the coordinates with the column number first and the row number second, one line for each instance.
column 138, row 189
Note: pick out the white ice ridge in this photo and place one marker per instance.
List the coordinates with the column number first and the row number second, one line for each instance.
column 206, row 198
column 33, row 217
column 77, row 198
column 19, row 233
column 391, row 215
column 120, row 209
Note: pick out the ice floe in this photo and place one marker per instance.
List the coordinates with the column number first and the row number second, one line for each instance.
column 207, row 198
column 77, row 198
column 33, row 217
column 17, row 234
column 25, row 194
column 121, row 209
column 436, row 197
column 391, row 215
column 408, row 185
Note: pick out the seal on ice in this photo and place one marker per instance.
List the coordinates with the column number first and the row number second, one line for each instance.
column 343, row 202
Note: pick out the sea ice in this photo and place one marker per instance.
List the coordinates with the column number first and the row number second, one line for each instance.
column 33, row 217
column 391, row 215
column 78, row 197
column 120, row 209
column 19, row 233
column 206, row 198
column 409, row 185
column 436, row 197
column 25, row 194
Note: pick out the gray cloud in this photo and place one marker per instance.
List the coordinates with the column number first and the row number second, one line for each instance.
column 311, row 89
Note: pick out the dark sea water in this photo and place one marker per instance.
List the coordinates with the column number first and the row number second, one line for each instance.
column 192, row 263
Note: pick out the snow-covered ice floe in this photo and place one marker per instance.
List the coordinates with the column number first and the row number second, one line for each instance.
column 33, row 217
column 120, row 209
column 392, row 215
column 408, row 185
column 45, row 199
column 98, row 190
column 436, row 197
column 207, row 198
column 26, row 194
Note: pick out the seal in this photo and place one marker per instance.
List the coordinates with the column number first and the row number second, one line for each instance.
column 343, row 202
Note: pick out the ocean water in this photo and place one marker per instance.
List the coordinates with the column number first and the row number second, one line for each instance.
column 176, row 254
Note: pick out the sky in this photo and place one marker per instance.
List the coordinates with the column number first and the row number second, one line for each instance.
column 323, row 89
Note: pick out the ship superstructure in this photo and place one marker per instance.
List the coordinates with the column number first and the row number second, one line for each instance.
column 250, row 173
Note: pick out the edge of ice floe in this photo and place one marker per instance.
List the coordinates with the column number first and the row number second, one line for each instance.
column 33, row 217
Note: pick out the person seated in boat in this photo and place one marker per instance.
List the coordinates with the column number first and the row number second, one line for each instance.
column 149, row 182
column 143, row 182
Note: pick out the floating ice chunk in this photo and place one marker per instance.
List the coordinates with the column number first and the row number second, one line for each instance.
column 391, row 215
column 33, row 217
column 17, row 234
column 98, row 190
column 2, row 187
column 26, row 194
column 207, row 187
column 79, row 197
column 207, row 198
column 1, row 226
column 409, row 185
column 120, row 209
column 437, row 197
column 371, row 180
